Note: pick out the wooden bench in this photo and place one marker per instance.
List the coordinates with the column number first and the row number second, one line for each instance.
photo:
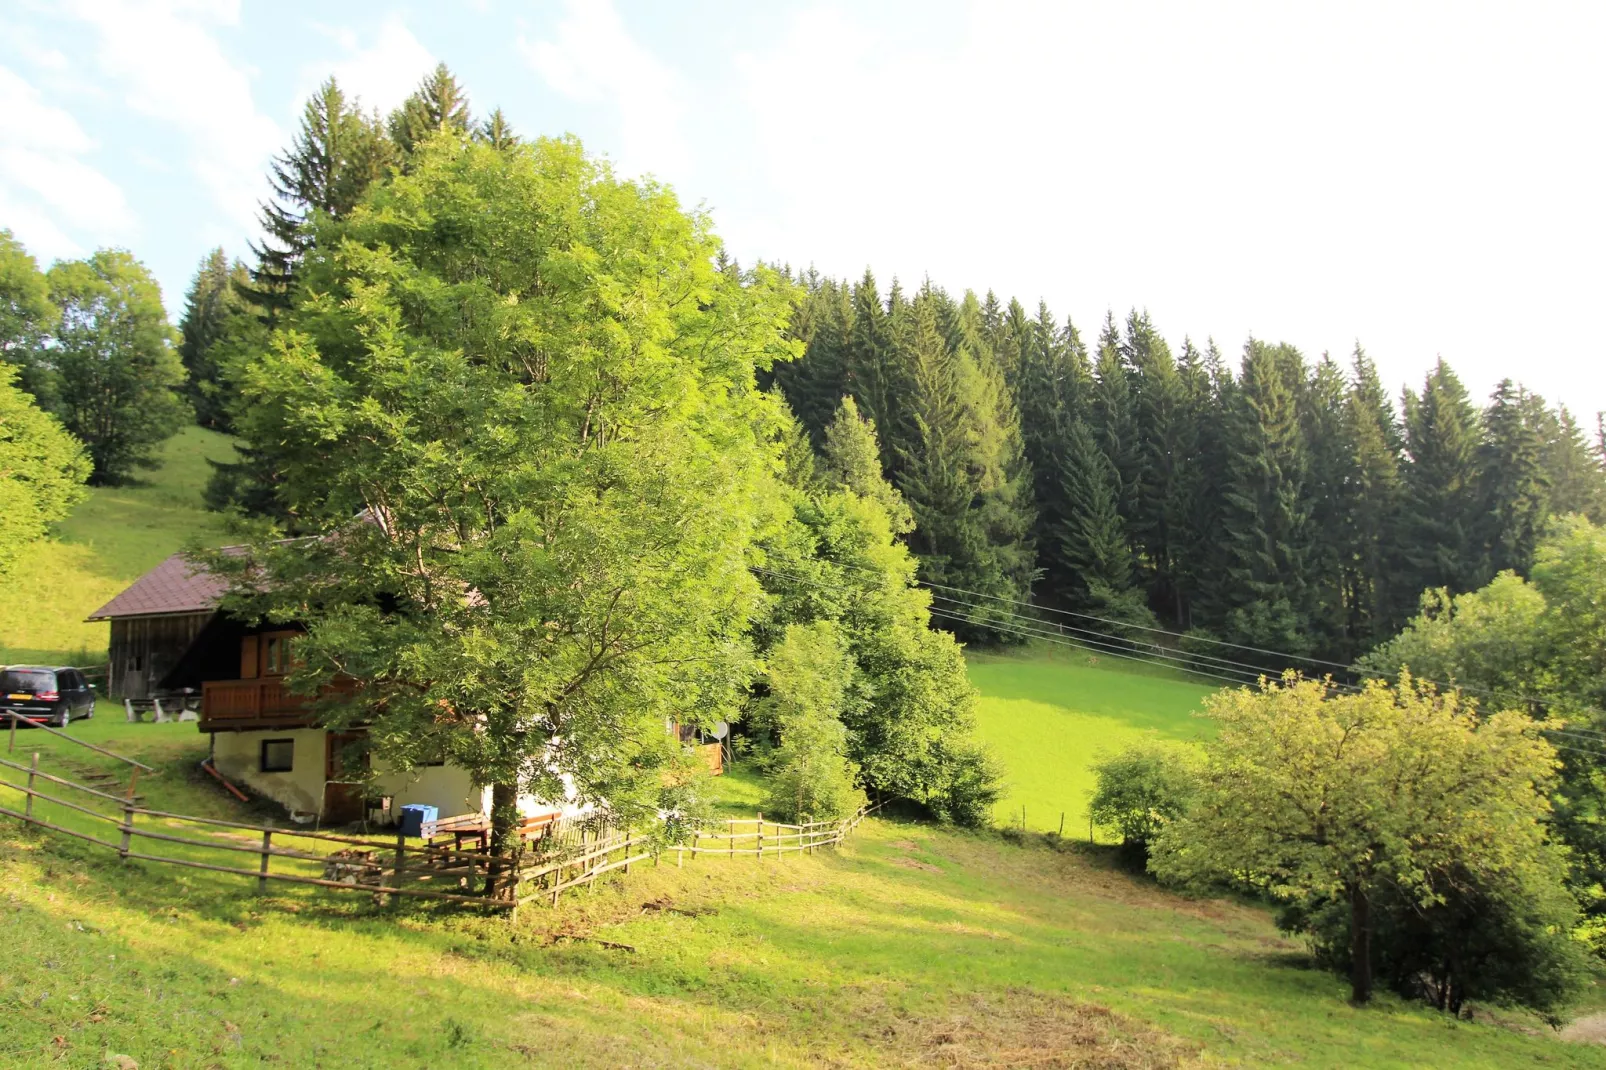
column 478, row 827
column 178, row 708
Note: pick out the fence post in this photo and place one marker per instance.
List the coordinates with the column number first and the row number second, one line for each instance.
column 730, row 834
column 629, row 839
column 13, row 745
column 267, row 843
column 401, row 859
column 34, row 768
column 761, row 837
column 128, row 829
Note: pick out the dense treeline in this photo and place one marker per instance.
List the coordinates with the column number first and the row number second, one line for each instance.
column 1287, row 503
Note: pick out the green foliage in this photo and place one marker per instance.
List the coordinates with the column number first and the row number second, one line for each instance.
column 852, row 459
column 112, row 375
column 556, row 457
column 1312, row 797
column 1144, row 788
column 1442, row 518
column 437, row 106
column 835, row 558
column 809, row 674
column 1502, row 938
column 497, row 132
column 337, row 153
column 216, row 320
column 42, row 471
column 27, row 315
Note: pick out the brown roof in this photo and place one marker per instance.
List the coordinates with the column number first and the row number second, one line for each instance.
column 174, row 586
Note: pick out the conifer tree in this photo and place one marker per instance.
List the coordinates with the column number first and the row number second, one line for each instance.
column 438, row 104
column 1377, row 605
column 1092, row 536
column 496, row 131
column 1267, row 522
column 1114, row 422
column 852, row 461
column 971, row 520
column 1331, row 466
column 1158, row 502
column 868, row 365
column 814, row 385
column 1577, row 480
column 335, row 155
column 1515, row 486
column 1440, row 521
column 211, row 309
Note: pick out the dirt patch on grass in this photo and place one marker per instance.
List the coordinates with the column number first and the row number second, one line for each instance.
column 1021, row 1028
column 915, row 863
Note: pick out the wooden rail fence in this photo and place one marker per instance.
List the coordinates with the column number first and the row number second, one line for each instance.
column 571, row 852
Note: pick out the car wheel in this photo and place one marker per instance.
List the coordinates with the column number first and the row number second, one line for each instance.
column 89, row 711
column 64, row 717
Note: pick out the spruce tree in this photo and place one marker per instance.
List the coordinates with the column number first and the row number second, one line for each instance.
column 1331, row 477
column 438, row 104
column 1092, row 537
column 1158, row 502
column 971, row 518
column 1577, row 480
column 868, row 366
column 1114, row 422
column 852, row 461
column 211, row 310
column 337, row 153
column 1377, row 604
column 1514, row 485
column 1441, row 518
column 497, row 132
column 814, row 385
column 1267, row 521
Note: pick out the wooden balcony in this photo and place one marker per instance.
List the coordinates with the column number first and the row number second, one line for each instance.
column 232, row 705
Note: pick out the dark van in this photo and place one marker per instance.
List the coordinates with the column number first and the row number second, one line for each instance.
column 43, row 694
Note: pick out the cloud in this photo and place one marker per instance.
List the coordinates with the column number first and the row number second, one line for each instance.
column 382, row 74
column 593, row 58
column 170, row 66
column 46, row 188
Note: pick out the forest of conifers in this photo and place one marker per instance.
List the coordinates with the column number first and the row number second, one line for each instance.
column 1288, row 503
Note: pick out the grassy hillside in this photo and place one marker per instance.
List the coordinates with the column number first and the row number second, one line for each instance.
column 911, row 946
column 108, row 541
column 1050, row 712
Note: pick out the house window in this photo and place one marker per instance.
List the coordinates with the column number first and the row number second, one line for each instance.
column 273, row 656
column 278, row 755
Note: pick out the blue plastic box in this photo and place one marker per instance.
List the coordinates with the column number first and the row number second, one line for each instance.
column 414, row 816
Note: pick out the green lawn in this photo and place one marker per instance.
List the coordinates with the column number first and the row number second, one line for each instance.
column 106, row 544
column 912, row 945
column 1050, row 712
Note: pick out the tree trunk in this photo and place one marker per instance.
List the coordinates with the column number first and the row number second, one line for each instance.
column 504, row 837
column 1360, row 945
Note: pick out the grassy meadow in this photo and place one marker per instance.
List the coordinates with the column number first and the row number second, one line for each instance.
column 106, row 544
column 912, row 945
column 1049, row 712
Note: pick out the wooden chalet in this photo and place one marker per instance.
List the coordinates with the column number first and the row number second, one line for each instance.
column 169, row 639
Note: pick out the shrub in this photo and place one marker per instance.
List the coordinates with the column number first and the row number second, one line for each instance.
column 1143, row 788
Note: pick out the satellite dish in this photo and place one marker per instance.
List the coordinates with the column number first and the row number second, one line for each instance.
column 720, row 730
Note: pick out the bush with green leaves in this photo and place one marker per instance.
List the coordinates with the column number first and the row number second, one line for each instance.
column 42, row 470
column 810, row 676
column 1144, row 788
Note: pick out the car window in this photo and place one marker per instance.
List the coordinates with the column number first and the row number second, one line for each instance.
column 69, row 680
column 34, row 680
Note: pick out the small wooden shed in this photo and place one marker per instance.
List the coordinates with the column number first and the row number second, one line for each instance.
column 154, row 622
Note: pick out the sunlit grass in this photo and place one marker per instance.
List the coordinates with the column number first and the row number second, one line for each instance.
column 912, row 945
column 1050, row 712
column 108, row 542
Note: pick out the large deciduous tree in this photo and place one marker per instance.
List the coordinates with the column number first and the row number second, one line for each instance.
column 113, row 375
column 27, row 316
column 1355, row 798
column 42, row 470
column 518, row 403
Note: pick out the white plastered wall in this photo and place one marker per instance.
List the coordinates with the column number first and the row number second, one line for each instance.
column 446, row 787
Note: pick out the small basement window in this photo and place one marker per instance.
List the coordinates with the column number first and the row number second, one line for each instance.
column 278, row 755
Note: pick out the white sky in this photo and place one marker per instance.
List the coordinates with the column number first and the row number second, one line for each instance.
column 1425, row 178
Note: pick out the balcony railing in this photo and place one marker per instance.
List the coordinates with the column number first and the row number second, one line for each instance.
column 247, row 703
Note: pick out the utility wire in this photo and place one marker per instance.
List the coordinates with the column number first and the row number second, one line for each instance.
column 1026, row 627
column 1286, row 655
